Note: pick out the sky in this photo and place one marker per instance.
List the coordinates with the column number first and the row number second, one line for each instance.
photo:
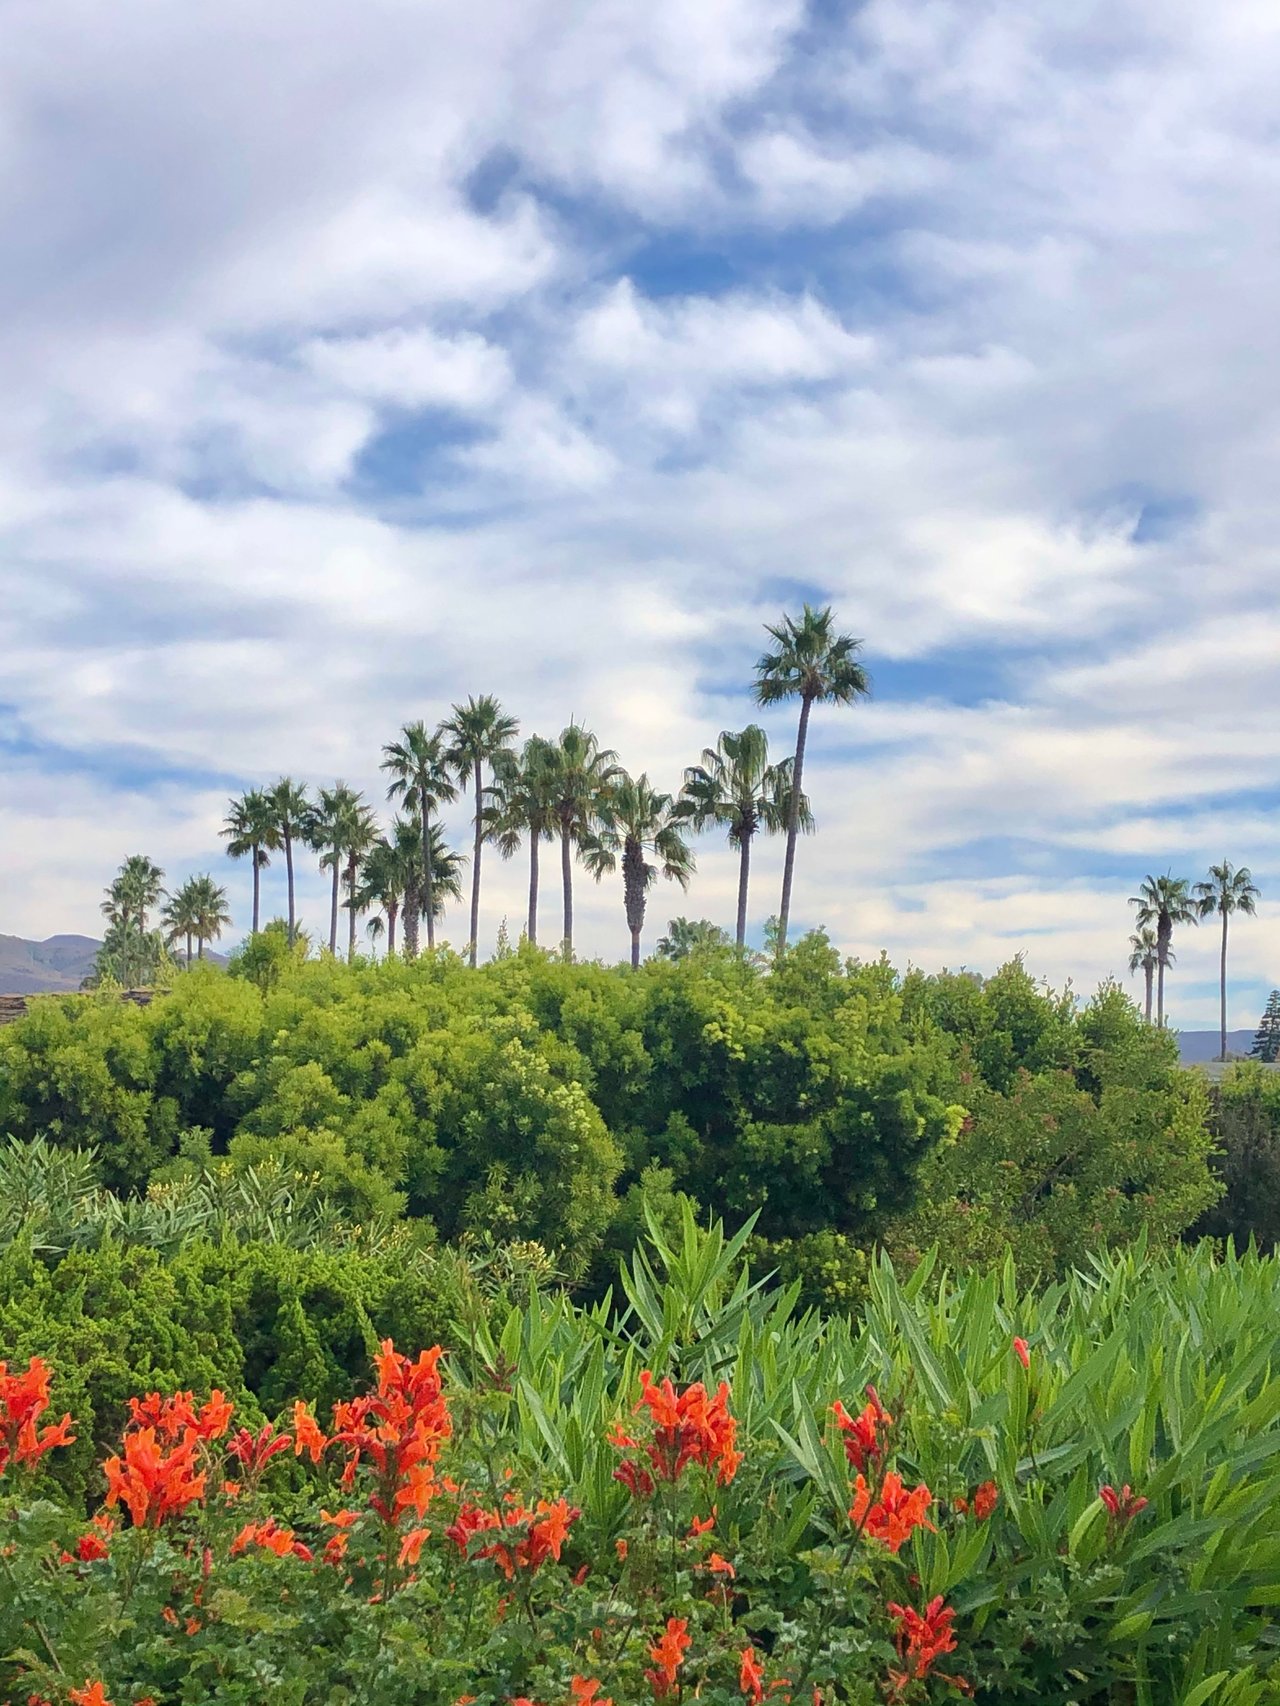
column 358, row 358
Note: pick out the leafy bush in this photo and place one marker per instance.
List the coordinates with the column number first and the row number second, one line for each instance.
column 1067, row 1498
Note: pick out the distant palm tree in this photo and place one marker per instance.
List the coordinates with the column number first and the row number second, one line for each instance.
column 329, row 826
column 375, row 929
column 212, row 916
column 523, row 803
column 420, row 780
column 477, row 733
column 251, row 831
column 361, row 835
column 179, row 917
column 584, row 774
column 387, row 869
column 1163, row 902
column 290, row 809
column 636, row 820
column 814, row 664
column 1143, row 955
column 1226, row 890
column 686, row 936
column 138, row 887
column 736, row 787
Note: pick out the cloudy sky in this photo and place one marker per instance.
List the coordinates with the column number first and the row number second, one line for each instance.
column 360, row 357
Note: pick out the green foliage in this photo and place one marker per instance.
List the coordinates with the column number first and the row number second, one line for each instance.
column 1246, row 1123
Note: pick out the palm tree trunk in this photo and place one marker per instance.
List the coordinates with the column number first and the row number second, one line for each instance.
column 351, row 907
column 1222, row 981
column 188, row 950
column 199, row 947
column 428, row 886
column 532, row 929
column 1164, row 932
column 793, row 821
column 333, row 907
column 1150, row 970
column 566, row 877
column 288, row 865
column 257, row 884
column 633, row 894
column 475, row 870
column 392, row 911
column 744, row 878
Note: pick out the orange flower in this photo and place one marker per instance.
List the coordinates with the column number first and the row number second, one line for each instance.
column 545, row 1530
column 24, row 1398
column 701, row 1525
column 307, row 1434
column 985, row 1500
column 411, row 1545
column 399, row 1429
column 720, row 1566
column 271, row 1538
column 91, row 1548
column 255, row 1451
column 177, row 1417
column 751, row 1677
column 621, row 1548
column 863, row 1434
column 154, row 1484
column 1124, row 1505
column 92, row 1694
column 667, row 1654
column 1022, row 1353
column 921, row 1640
column 895, row 1514
column 585, row 1692
column 688, row 1427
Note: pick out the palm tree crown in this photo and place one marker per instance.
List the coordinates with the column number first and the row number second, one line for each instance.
column 737, row 788
column 584, row 775
column 1163, row 902
column 421, row 780
column 809, row 661
column 1144, row 957
column 1227, row 890
column 636, row 820
column 477, row 733
column 138, row 886
column 250, row 831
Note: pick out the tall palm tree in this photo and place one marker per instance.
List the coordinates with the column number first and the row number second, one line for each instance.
column 636, row 820
column 251, row 831
column 328, row 829
column 420, row 779
column 1143, row 954
column 290, row 809
column 211, row 914
column 361, row 835
column 180, row 917
column 387, row 870
column 736, row 786
column 814, row 664
column 477, row 733
column 1227, row 889
column 523, row 803
column 1164, row 902
column 138, row 886
column 584, row 774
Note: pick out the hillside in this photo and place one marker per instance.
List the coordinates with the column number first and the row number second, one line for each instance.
column 58, row 963
column 1197, row 1047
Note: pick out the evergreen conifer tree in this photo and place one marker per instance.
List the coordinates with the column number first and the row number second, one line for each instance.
column 1266, row 1045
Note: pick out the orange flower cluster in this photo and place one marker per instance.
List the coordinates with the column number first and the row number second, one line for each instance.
column 864, row 1435
column 751, row 1677
column 1124, row 1505
column 24, row 1398
column 271, row 1538
column 983, row 1503
column 920, row 1639
column 154, row 1483
column 92, row 1694
column 92, row 1548
column 529, row 1537
column 667, row 1654
column 688, row 1427
column 400, row 1428
column 177, row 1417
column 895, row 1514
column 254, row 1451
column 586, row 1692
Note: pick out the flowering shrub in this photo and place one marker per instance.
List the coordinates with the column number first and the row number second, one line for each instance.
column 703, row 1499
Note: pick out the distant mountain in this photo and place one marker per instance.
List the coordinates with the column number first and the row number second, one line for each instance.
column 1197, row 1047
column 32, row 968
column 55, row 966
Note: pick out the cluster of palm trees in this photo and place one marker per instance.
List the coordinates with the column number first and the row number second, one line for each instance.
column 570, row 791
column 1165, row 902
column 131, row 952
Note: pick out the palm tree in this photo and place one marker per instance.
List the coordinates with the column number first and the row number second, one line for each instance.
column 1164, row 902
column 523, row 802
column 1225, row 890
column 211, row 914
column 138, row 887
column 1143, row 950
column 477, row 733
column 420, row 779
column 584, row 772
column 290, row 810
column 361, row 835
column 737, row 787
column 179, row 918
column 251, row 829
column 686, row 936
column 634, row 820
column 328, row 828
column 816, row 665
column 387, row 868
